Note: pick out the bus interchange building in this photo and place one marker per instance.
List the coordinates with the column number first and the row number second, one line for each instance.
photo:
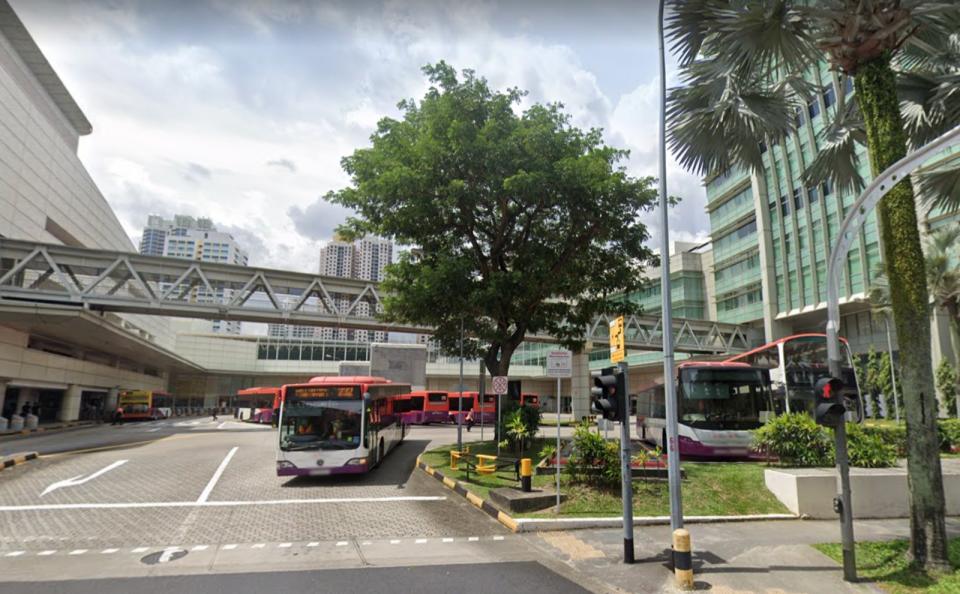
column 763, row 269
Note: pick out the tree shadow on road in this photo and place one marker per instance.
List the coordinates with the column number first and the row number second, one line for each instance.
column 395, row 469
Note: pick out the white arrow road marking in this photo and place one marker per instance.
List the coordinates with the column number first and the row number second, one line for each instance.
column 167, row 553
column 74, row 481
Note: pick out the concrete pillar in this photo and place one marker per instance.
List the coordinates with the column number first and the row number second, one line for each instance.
column 110, row 404
column 581, row 382
column 26, row 396
column 70, row 405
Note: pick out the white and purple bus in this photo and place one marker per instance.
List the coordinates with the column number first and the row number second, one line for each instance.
column 338, row 425
column 719, row 405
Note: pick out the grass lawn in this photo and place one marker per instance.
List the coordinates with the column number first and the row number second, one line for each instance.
column 546, row 421
column 710, row 488
column 886, row 564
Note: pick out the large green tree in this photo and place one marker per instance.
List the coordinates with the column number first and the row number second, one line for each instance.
column 743, row 64
column 519, row 222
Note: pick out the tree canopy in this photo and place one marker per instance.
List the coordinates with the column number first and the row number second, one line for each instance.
column 518, row 221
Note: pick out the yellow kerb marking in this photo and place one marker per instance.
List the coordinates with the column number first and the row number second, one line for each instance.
column 570, row 545
column 507, row 521
column 449, row 482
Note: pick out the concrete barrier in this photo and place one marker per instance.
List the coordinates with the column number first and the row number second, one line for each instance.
column 876, row 492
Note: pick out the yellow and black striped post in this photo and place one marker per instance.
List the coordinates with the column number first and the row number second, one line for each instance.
column 682, row 559
column 526, row 475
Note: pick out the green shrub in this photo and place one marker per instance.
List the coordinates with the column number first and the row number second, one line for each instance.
column 895, row 435
column 594, row 460
column 868, row 448
column 528, row 415
column 795, row 440
column 950, row 433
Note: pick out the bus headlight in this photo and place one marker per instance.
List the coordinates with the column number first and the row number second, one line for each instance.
column 356, row 462
column 285, row 464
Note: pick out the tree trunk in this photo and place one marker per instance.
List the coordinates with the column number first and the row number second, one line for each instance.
column 886, row 141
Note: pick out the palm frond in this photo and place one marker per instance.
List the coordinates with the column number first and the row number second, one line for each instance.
column 836, row 161
column 688, row 23
column 715, row 121
column 767, row 37
column 929, row 104
column 939, row 185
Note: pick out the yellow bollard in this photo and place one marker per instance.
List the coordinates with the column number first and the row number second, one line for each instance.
column 454, row 457
column 526, row 475
column 682, row 559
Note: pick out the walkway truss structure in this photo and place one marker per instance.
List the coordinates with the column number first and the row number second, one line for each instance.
column 35, row 274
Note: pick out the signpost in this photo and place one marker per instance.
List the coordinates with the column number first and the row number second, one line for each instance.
column 559, row 365
column 500, row 383
column 617, row 348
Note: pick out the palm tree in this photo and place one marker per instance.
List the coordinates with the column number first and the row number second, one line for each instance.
column 943, row 278
column 742, row 65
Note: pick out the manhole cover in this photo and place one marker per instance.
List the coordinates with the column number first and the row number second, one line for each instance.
column 164, row 556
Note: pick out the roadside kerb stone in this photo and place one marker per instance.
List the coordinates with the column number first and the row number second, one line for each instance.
column 547, row 524
column 481, row 504
column 14, row 459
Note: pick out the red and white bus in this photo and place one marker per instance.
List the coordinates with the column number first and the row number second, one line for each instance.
column 145, row 405
column 719, row 405
column 425, row 407
column 795, row 364
column 338, row 425
column 258, row 405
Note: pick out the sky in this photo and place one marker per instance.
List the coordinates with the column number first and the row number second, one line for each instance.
column 241, row 110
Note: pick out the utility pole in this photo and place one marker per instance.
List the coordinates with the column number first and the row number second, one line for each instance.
column 626, row 475
column 460, row 396
column 670, row 392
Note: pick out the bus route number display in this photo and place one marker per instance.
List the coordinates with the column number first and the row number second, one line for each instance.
column 325, row 392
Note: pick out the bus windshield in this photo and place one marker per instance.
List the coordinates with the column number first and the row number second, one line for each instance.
column 729, row 399
column 321, row 418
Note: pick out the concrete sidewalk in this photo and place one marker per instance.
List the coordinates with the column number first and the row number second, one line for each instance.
column 734, row 557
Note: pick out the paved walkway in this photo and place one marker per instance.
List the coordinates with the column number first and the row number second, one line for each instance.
column 735, row 557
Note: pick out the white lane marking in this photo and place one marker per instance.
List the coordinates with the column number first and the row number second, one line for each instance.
column 222, row 425
column 259, row 545
column 14, row 553
column 342, row 543
column 285, row 545
column 162, row 504
column 394, row 542
column 46, row 553
column 139, row 550
column 216, row 475
column 200, row 548
column 108, row 551
column 153, row 430
column 447, row 540
column 420, row 541
column 365, row 543
column 497, row 538
column 77, row 480
column 78, row 551
column 167, row 553
column 474, row 538
column 313, row 544
column 229, row 547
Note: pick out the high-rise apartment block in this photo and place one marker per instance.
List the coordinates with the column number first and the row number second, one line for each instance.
column 363, row 259
column 192, row 238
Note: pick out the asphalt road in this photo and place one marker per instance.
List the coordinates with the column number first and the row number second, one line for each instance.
column 527, row 577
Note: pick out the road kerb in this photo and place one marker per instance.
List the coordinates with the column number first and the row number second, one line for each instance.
column 547, row 524
column 14, row 459
column 9, row 435
column 481, row 504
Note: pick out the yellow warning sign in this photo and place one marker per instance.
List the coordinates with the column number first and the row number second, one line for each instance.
column 617, row 349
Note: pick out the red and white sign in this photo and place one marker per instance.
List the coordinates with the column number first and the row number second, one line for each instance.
column 500, row 383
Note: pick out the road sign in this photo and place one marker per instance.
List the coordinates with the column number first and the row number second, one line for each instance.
column 500, row 384
column 559, row 364
column 618, row 350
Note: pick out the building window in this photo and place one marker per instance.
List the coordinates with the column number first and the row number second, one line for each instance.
column 813, row 108
column 827, row 188
column 784, row 206
column 813, row 195
column 847, row 85
column 797, row 200
column 829, row 96
column 798, row 118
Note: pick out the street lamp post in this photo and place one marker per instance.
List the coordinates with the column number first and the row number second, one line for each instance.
column 460, row 396
column 849, row 229
column 670, row 393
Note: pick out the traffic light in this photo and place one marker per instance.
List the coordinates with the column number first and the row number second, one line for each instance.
column 830, row 409
column 608, row 395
